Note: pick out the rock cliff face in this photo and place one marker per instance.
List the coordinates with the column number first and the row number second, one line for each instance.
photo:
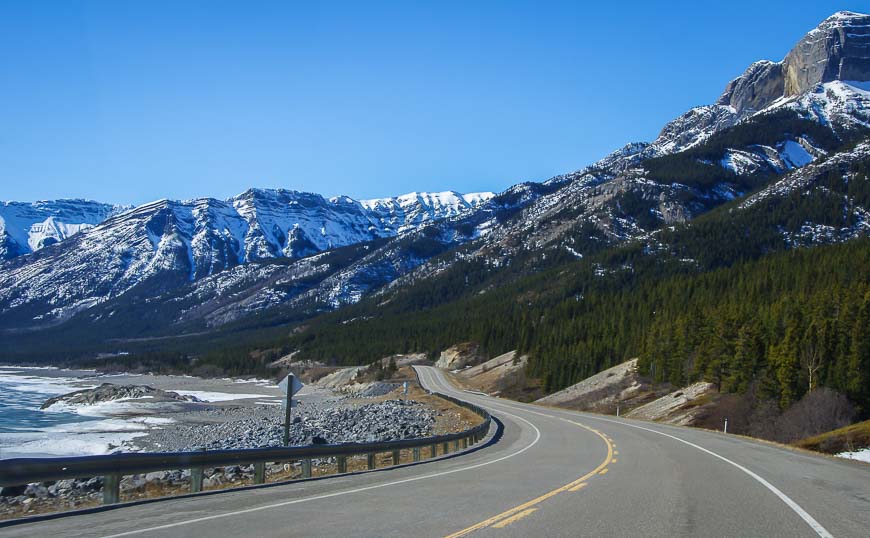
column 760, row 85
column 839, row 49
column 459, row 356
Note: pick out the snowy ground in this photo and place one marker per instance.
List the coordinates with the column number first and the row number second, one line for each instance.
column 860, row 455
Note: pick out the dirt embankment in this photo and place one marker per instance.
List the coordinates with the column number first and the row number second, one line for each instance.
column 503, row 376
column 623, row 388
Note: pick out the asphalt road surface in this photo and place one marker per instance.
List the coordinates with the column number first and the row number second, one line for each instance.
column 549, row 473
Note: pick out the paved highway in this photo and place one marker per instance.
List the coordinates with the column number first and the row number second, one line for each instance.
column 550, row 473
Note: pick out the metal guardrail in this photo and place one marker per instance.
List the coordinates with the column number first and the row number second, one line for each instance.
column 20, row 471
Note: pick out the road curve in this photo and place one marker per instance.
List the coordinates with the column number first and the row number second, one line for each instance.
column 550, row 473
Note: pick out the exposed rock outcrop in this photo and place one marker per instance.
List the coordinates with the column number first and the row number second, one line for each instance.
column 504, row 376
column 600, row 391
column 838, row 49
column 460, row 356
column 680, row 407
column 692, row 128
column 340, row 378
column 108, row 392
column 760, row 85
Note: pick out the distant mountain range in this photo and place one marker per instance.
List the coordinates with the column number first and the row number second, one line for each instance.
column 27, row 227
column 271, row 256
column 260, row 223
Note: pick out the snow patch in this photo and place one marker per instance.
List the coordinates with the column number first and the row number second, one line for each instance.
column 795, row 154
column 211, row 397
column 860, row 455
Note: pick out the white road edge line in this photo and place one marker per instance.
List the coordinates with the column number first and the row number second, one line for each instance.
column 796, row 508
column 810, row 520
column 338, row 493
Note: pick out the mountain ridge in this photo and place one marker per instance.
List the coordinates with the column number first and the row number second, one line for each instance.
column 703, row 159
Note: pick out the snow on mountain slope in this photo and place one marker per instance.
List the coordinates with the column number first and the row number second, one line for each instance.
column 618, row 199
column 204, row 247
column 844, row 104
column 171, row 242
column 756, row 159
column 28, row 227
column 800, row 179
column 409, row 211
column 692, row 128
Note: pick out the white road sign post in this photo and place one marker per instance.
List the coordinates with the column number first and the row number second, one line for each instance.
column 290, row 385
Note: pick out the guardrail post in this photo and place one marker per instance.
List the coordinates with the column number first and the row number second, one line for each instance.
column 370, row 461
column 196, row 474
column 112, row 488
column 396, row 457
column 445, row 448
column 260, row 472
column 433, row 451
column 306, row 468
column 416, row 453
column 342, row 464
column 464, row 443
column 455, row 445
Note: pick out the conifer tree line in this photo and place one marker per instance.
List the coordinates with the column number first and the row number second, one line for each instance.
column 747, row 299
column 738, row 298
column 790, row 324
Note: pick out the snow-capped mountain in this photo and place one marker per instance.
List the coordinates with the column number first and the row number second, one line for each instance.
column 167, row 243
column 211, row 262
column 27, row 227
column 409, row 211
column 708, row 156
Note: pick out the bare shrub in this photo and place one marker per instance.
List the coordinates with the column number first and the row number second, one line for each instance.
column 736, row 408
column 763, row 421
column 819, row 411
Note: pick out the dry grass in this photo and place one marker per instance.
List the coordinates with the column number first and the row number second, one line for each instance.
column 847, row 439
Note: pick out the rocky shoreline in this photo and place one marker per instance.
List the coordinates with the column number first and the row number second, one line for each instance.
column 321, row 422
column 324, row 419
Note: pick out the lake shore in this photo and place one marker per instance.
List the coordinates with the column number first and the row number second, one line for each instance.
column 238, row 414
column 120, row 425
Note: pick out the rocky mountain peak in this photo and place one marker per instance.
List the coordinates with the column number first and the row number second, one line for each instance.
column 761, row 84
column 838, row 49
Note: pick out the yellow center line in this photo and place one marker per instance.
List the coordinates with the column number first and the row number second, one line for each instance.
column 614, row 460
column 578, row 487
column 516, row 517
column 567, row 487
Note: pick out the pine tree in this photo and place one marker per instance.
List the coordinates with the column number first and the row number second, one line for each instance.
column 858, row 386
column 786, row 364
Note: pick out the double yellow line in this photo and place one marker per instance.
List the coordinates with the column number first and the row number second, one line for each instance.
column 518, row 512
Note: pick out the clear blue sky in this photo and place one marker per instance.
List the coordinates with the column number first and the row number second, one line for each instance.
column 127, row 101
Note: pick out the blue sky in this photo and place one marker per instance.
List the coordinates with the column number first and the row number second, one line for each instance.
column 128, row 101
